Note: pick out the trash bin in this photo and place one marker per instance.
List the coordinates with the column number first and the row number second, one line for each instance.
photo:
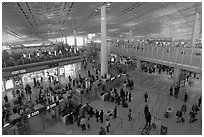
column 168, row 112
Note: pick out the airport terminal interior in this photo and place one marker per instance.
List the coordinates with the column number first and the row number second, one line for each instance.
column 102, row 68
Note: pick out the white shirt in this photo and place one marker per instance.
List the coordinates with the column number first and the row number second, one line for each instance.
column 107, row 123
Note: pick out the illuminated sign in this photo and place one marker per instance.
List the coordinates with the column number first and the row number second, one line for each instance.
column 33, row 114
column 18, row 72
column 51, row 106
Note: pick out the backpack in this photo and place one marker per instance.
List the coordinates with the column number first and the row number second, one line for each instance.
column 177, row 113
column 182, row 119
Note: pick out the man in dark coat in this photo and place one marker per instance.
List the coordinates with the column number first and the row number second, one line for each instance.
column 146, row 96
column 130, row 95
column 97, row 115
column 101, row 116
column 146, row 110
column 115, row 112
column 148, row 119
column 185, row 97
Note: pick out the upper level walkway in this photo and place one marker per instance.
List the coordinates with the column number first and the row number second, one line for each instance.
column 185, row 58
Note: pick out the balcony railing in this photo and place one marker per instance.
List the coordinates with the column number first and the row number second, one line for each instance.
column 174, row 55
column 10, row 63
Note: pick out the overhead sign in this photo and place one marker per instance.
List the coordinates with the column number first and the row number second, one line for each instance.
column 18, row 72
column 53, row 65
column 51, row 106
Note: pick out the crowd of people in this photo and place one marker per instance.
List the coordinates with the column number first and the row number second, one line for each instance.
column 20, row 58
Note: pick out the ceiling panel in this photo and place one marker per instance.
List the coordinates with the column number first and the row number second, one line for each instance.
column 45, row 20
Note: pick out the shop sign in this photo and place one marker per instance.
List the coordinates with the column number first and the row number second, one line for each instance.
column 18, row 72
column 33, row 114
column 53, row 65
column 51, row 106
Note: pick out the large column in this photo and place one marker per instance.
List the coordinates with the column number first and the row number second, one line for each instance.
column 83, row 41
column 75, row 38
column 138, row 64
column 65, row 39
column 177, row 76
column 194, row 32
column 104, row 50
column 130, row 36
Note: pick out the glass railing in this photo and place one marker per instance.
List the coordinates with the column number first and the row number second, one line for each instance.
column 182, row 56
column 10, row 62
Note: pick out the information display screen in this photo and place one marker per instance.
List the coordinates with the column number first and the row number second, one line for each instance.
column 9, row 84
column 70, row 70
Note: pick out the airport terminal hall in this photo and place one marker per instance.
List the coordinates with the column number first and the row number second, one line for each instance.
column 101, row 68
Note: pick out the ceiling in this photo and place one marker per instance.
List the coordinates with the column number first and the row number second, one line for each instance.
column 36, row 21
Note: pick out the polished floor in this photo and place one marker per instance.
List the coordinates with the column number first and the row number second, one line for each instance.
column 157, row 86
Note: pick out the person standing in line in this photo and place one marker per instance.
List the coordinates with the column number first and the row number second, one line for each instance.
column 126, row 95
column 97, row 115
column 108, row 125
column 130, row 95
column 6, row 99
column 199, row 101
column 171, row 91
column 115, row 112
column 129, row 115
column 41, row 80
column 145, row 97
column 185, row 97
column 101, row 116
column 183, row 108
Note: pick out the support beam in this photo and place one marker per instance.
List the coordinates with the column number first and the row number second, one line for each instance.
column 75, row 38
column 104, row 50
column 194, row 31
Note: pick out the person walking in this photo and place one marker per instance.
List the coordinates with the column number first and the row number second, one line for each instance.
column 108, row 125
column 101, row 116
column 192, row 117
column 185, row 97
column 115, row 112
column 145, row 97
column 146, row 110
column 199, row 101
column 148, row 118
column 129, row 115
column 97, row 115
column 179, row 116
